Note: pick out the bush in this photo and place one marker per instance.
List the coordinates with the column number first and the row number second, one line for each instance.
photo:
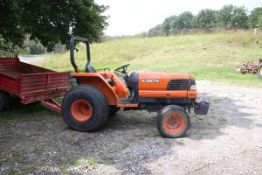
column 36, row 49
column 33, row 47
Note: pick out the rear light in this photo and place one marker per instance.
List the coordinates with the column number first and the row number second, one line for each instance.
column 193, row 87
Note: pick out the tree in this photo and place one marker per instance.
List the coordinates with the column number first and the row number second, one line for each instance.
column 255, row 17
column 239, row 18
column 259, row 22
column 156, row 31
column 185, row 20
column 225, row 16
column 173, row 23
column 195, row 22
column 233, row 16
column 167, row 26
column 229, row 17
column 49, row 21
column 206, row 18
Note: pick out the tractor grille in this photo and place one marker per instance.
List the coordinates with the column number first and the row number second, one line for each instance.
column 181, row 84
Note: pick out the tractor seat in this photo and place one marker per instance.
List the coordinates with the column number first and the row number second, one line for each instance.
column 90, row 68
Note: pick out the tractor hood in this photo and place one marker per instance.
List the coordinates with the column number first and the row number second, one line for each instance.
column 165, row 81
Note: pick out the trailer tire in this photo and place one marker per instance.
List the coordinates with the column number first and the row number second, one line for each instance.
column 173, row 121
column 2, row 101
column 85, row 108
column 5, row 101
column 8, row 102
column 259, row 71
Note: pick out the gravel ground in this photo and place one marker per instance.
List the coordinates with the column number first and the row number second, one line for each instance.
column 226, row 141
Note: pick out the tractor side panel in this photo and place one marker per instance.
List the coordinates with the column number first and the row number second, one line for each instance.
column 165, row 85
column 158, row 80
column 97, row 80
column 163, row 94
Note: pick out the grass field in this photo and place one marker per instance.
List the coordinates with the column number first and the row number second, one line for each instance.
column 212, row 56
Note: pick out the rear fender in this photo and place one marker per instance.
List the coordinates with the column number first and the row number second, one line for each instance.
column 98, row 81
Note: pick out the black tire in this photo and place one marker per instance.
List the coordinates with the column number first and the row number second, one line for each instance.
column 2, row 101
column 97, row 102
column 8, row 101
column 179, row 124
column 5, row 101
column 259, row 71
column 103, row 100
column 113, row 110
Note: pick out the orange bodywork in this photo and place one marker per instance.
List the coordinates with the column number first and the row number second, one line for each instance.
column 168, row 94
column 163, row 78
column 156, row 89
column 99, row 80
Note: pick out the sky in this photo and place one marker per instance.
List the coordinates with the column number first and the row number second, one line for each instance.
column 128, row 17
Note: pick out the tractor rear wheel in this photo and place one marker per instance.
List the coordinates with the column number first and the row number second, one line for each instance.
column 259, row 71
column 173, row 121
column 85, row 108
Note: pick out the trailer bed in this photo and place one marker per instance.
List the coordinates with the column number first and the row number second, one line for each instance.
column 31, row 83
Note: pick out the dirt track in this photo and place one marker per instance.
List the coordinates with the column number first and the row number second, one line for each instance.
column 227, row 141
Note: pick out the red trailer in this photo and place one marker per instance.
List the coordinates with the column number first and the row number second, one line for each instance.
column 31, row 84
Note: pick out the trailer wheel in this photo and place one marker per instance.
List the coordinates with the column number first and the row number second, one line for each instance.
column 173, row 121
column 8, row 102
column 259, row 71
column 2, row 101
column 85, row 108
column 5, row 101
column 113, row 110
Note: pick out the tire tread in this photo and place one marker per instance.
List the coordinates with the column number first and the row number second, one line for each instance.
column 101, row 106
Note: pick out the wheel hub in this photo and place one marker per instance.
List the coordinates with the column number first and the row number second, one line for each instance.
column 174, row 123
column 81, row 110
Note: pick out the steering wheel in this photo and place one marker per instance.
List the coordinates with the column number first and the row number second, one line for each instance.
column 122, row 69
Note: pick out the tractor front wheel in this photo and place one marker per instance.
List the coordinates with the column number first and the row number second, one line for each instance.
column 85, row 108
column 173, row 121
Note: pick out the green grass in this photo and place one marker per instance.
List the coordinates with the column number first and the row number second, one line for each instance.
column 211, row 56
column 86, row 162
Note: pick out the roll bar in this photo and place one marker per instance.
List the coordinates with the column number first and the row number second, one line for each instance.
column 72, row 48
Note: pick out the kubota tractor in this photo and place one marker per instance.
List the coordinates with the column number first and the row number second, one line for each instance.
column 100, row 94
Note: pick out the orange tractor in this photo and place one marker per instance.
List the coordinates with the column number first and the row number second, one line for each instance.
column 100, row 94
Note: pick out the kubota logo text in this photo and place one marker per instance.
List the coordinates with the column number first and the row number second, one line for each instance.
column 151, row 81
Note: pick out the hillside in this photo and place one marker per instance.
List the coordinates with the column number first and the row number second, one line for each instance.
column 212, row 56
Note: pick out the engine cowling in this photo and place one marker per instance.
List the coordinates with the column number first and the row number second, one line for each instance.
column 162, row 81
column 162, row 85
